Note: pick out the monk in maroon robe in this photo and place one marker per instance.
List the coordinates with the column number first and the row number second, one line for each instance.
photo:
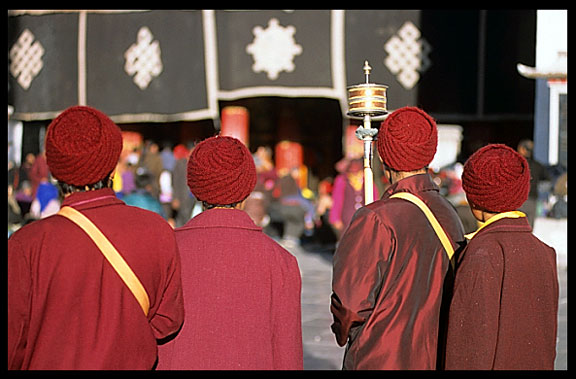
column 67, row 306
column 503, row 314
column 242, row 289
column 390, row 265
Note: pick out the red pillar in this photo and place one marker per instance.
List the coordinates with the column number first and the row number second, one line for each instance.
column 235, row 123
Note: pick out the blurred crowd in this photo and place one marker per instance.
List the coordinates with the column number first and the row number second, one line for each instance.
column 294, row 209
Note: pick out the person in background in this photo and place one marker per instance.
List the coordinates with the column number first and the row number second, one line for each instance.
column 267, row 175
column 258, row 203
column 242, row 289
column 142, row 197
column 39, row 172
column 348, row 195
column 127, row 172
column 324, row 237
column 24, row 197
column 47, row 201
column 165, row 182
column 503, row 314
column 182, row 199
column 167, row 155
column 24, row 170
column 165, row 196
column 68, row 308
column 297, row 212
column 560, row 196
column 152, row 162
column 390, row 265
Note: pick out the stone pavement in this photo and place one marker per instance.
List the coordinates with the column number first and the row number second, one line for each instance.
column 320, row 349
column 562, row 339
column 554, row 232
column 321, row 352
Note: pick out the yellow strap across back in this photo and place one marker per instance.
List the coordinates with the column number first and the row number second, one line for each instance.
column 431, row 218
column 111, row 254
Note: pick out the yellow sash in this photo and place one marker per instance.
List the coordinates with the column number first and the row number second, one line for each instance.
column 111, row 254
column 431, row 218
column 499, row 216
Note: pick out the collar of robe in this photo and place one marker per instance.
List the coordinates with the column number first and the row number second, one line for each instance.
column 499, row 216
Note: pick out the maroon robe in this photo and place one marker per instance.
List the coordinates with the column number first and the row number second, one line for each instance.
column 504, row 309
column 69, row 309
column 242, row 298
column 389, row 271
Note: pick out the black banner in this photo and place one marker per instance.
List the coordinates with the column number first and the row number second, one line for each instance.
column 286, row 53
column 42, row 68
column 146, row 66
column 390, row 42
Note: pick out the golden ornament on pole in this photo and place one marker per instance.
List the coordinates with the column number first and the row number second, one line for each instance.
column 367, row 101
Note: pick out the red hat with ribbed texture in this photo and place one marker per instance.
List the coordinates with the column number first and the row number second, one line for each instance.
column 221, row 171
column 407, row 139
column 82, row 146
column 496, row 179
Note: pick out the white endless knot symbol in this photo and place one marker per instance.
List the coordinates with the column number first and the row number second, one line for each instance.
column 273, row 49
column 26, row 59
column 143, row 59
column 407, row 55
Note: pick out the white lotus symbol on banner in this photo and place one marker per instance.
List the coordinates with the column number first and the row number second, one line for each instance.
column 273, row 49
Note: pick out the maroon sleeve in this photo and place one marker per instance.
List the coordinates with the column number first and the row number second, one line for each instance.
column 19, row 297
column 475, row 310
column 359, row 266
column 169, row 315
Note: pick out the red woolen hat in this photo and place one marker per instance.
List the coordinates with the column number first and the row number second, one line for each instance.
column 82, row 146
column 221, row 171
column 407, row 139
column 496, row 179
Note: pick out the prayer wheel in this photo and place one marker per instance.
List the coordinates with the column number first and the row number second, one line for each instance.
column 367, row 101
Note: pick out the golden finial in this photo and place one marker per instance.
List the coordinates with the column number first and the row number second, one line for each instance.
column 367, row 70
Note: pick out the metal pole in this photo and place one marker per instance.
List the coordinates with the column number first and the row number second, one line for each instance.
column 368, row 174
